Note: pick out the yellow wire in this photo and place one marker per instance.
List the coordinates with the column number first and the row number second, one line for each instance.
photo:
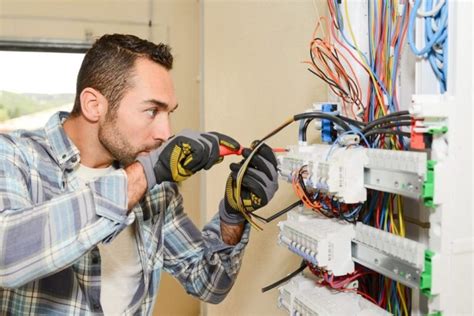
column 362, row 58
column 238, row 190
column 392, row 225
column 400, row 216
column 372, row 17
column 243, row 169
column 389, row 294
column 402, row 298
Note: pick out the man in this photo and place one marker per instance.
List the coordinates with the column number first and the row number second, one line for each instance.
column 90, row 213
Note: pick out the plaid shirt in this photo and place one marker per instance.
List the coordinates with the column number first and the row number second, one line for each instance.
column 50, row 226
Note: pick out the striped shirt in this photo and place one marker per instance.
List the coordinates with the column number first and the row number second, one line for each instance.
column 50, row 226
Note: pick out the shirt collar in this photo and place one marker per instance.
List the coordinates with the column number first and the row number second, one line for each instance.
column 64, row 150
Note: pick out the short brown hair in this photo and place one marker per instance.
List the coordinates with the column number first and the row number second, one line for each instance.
column 108, row 66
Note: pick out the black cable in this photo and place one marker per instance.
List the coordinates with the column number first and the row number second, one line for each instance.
column 302, row 266
column 280, row 213
column 395, row 124
column 388, row 126
column 384, row 119
column 386, row 131
column 304, row 127
column 303, row 133
column 351, row 121
column 322, row 115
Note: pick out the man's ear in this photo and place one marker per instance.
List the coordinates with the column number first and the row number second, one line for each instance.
column 93, row 104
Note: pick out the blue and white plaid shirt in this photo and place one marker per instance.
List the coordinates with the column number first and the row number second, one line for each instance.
column 50, row 226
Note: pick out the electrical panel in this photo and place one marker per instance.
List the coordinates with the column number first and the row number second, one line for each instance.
column 381, row 207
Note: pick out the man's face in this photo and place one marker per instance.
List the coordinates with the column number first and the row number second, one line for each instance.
column 142, row 121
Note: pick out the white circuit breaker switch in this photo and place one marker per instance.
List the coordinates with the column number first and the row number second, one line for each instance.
column 341, row 174
column 319, row 240
column 335, row 171
column 430, row 106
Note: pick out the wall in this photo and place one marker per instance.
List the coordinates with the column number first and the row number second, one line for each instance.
column 253, row 81
column 175, row 22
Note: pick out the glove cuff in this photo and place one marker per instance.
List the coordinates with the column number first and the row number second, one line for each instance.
column 230, row 217
column 147, row 165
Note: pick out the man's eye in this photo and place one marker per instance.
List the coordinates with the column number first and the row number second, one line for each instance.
column 152, row 112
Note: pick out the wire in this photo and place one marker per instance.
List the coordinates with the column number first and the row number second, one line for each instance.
column 387, row 131
column 329, row 64
column 322, row 115
column 397, row 116
column 434, row 11
column 300, row 269
column 280, row 213
column 355, row 123
column 435, row 49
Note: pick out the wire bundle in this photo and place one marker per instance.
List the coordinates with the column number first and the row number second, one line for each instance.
column 329, row 64
column 435, row 36
column 322, row 203
column 387, row 29
column 341, row 283
column 388, row 22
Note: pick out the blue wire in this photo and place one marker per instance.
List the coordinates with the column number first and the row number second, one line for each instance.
column 384, row 210
column 436, row 38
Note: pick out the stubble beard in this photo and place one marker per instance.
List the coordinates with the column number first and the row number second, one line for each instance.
column 116, row 143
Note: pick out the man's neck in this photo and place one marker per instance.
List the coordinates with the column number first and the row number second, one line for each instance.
column 85, row 135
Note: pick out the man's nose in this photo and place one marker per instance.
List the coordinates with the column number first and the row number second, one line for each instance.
column 162, row 129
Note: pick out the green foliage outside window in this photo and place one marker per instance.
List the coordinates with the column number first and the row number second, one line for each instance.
column 13, row 105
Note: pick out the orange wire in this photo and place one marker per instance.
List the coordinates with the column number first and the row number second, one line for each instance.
column 330, row 65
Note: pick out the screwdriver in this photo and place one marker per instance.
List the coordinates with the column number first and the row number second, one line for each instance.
column 225, row 151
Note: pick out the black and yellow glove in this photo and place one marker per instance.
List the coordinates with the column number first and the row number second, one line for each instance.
column 183, row 155
column 259, row 184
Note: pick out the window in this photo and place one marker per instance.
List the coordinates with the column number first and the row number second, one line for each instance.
column 35, row 85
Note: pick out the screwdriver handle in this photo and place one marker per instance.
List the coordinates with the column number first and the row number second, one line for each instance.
column 225, row 151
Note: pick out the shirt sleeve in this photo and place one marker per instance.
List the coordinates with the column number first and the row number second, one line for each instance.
column 40, row 238
column 200, row 260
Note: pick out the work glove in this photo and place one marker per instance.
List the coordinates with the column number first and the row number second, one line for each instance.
column 259, row 184
column 183, row 155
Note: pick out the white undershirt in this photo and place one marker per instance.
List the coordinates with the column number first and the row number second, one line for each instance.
column 121, row 269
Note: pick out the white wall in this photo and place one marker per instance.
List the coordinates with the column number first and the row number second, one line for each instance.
column 253, row 81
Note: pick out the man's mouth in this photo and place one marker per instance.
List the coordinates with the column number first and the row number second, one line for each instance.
column 147, row 151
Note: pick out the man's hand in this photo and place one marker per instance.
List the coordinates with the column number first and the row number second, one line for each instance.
column 259, row 184
column 183, row 155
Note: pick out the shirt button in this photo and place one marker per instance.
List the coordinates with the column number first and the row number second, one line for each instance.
column 74, row 159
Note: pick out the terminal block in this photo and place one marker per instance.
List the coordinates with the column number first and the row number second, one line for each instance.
column 345, row 173
column 333, row 170
column 398, row 258
column 324, row 242
column 302, row 296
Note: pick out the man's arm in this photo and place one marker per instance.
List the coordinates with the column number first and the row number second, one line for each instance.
column 137, row 184
column 231, row 234
column 38, row 238
column 204, row 264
